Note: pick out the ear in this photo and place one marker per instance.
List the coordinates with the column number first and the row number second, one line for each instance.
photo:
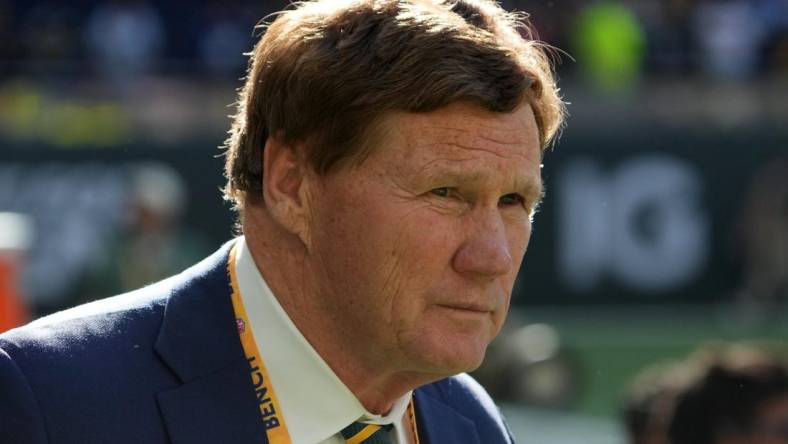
column 286, row 178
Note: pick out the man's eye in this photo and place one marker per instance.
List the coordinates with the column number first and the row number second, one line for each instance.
column 511, row 199
column 442, row 191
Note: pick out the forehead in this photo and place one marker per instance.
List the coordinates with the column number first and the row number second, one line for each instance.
column 463, row 139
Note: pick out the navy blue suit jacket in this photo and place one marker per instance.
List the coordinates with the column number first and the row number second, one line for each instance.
column 164, row 364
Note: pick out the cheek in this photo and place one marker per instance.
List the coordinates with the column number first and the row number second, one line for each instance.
column 518, row 237
column 427, row 244
column 412, row 262
column 364, row 240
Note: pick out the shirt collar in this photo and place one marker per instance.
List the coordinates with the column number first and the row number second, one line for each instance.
column 315, row 403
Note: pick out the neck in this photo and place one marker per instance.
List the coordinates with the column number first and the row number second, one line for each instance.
column 282, row 259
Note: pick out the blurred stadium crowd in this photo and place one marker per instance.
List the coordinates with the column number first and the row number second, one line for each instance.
column 126, row 38
column 727, row 39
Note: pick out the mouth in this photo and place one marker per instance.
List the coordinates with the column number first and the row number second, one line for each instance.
column 468, row 308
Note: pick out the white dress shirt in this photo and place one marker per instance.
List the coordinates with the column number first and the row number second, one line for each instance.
column 315, row 403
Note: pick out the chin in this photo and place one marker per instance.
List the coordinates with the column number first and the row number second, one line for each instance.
column 447, row 360
column 456, row 366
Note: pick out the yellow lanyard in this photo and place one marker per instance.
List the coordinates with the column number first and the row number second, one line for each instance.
column 271, row 412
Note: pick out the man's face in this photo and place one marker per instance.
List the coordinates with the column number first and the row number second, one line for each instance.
column 419, row 245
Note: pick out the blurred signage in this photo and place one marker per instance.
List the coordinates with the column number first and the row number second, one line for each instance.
column 655, row 216
column 641, row 223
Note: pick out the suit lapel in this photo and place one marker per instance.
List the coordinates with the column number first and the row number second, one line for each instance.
column 438, row 423
column 199, row 342
column 213, row 409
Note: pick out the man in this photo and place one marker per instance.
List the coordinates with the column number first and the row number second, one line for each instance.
column 385, row 162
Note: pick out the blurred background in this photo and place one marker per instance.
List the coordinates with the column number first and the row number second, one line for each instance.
column 665, row 224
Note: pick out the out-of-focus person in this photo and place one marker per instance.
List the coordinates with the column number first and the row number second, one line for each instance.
column 124, row 39
column 153, row 242
column 721, row 394
column 610, row 44
column 763, row 233
column 739, row 395
column 724, row 54
column 650, row 400
column 15, row 237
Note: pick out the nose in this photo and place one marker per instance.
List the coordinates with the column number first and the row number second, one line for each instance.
column 485, row 254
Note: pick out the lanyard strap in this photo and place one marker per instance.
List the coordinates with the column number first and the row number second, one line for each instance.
column 271, row 412
column 272, row 418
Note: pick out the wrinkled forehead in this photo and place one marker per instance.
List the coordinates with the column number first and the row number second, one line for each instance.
column 463, row 145
column 460, row 132
column 465, row 130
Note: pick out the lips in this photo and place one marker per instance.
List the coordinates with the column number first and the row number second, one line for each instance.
column 469, row 307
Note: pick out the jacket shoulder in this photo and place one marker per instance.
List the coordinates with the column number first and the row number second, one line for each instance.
column 84, row 374
column 84, row 324
column 137, row 312
column 468, row 398
column 55, row 370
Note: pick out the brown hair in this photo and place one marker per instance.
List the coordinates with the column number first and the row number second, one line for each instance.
column 326, row 71
column 731, row 385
